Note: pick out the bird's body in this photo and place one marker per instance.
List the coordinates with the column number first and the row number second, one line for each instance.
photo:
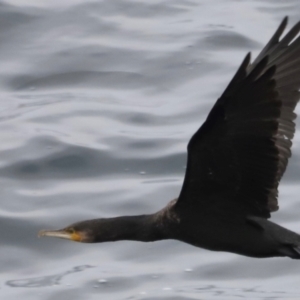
column 235, row 162
column 249, row 237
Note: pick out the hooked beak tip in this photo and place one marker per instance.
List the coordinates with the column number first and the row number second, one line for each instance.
column 41, row 233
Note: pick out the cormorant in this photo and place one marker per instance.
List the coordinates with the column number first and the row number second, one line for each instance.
column 235, row 162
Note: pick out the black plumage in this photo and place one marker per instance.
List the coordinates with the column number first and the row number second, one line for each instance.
column 235, row 162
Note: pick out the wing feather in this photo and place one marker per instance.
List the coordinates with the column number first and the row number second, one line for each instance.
column 240, row 153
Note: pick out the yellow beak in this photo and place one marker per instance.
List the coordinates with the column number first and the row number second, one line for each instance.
column 74, row 236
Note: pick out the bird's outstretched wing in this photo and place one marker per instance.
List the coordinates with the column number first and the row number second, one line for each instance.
column 240, row 153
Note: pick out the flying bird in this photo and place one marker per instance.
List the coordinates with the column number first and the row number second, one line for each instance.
column 235, row 162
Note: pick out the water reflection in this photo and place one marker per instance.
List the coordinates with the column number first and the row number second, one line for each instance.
column 45, row 281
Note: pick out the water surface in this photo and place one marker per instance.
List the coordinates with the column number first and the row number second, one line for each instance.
column 99, row 99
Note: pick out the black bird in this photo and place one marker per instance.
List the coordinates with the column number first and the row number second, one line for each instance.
column 235, row 162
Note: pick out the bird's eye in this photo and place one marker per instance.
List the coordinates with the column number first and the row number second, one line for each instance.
column 71, row 230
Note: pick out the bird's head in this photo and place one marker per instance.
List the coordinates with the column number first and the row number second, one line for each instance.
column 77, row 232
column 136, row 228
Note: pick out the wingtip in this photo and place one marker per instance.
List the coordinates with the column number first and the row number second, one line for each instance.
column 247, row 59
column 285, row 20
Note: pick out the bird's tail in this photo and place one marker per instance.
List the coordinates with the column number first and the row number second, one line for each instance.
column 291, row 251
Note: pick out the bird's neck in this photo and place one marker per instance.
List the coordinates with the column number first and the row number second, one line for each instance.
column 144, row 228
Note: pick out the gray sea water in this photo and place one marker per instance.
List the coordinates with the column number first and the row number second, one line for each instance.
column 98, row 102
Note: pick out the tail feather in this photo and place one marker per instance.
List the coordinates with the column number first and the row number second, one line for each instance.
column 291, row 251
column 297, row 249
